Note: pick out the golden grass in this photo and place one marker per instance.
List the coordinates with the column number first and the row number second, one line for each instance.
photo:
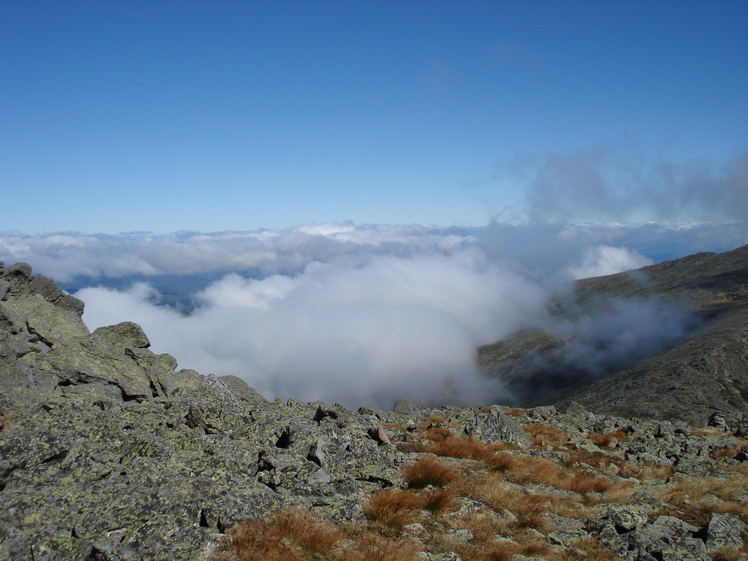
column 728, row 452
column 608, row 440
column 432, row 421
column 393, row 507
column 465, row 447
column 645, row 471
column 287, row 535
column 518, row 412
column 439, row 500
column 369, row 546
column 525, row 468
column 543, row 436
column 489, row 483
column 428, row 470
column 708, row 431
column 730, row 554
column 692, row 502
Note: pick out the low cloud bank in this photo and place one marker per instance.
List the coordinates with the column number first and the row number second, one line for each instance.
column 627, row 331
column 394, row 328
column 547, row 252
column 361, row 315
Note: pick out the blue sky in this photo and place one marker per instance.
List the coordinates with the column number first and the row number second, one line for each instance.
column 212, row 116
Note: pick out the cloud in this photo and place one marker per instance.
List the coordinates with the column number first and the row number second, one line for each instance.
column 603, row 260
column 362, row 315
column 628, row 330
column 543, row 250
column 366, row 335
column 617, row 182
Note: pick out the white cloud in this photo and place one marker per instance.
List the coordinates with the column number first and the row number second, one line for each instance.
column 606, row 260
column 358, row 335
column 356, row 314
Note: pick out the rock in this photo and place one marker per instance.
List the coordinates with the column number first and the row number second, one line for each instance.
column 403, row 407
column 724, row 531
column 107, row 451
column 378, row 434
column 495, row 426
column 717, row 419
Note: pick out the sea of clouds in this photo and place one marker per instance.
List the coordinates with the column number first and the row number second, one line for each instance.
column 367, row 314
column 356, row 314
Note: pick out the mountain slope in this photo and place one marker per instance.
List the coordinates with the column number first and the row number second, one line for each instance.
column 686, row 324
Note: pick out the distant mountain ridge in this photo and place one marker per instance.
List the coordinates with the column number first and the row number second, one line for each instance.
column 700, row 371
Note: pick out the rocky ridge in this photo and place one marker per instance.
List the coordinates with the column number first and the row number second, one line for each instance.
column 694, row 375
column 108, row 452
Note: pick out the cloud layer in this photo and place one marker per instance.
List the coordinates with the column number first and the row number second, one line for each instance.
column 361, row 315
column 367, row 335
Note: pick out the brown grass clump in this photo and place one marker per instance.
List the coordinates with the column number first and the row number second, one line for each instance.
column 370, row 546
column 287, row 535
column 436, row 434
column 729, row 554
column 607, row 440
column 517, row 412
column 5, row 421
column 728, row 452
column 431, row 422
column 439, row 500
column 543, row 436
column 466, row 447
column 586, row 549
column 690, row 498
column 645, row 471
column 708, row 431
column 525, row 468
column 393, row 507
column 428, row 470
column 719, row 487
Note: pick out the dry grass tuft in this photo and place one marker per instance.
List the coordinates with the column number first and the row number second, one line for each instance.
column 439, row 500
column 369, row 546
column 607, row 440
column 543, row 436
column 694, row 499
column 587, row 549
column 645, row 471
column 466, row 447
column 728, row 452
column 525, row 468
column 431, row 422
column 5, row 421
column 436, row 434
column 708, row 431
column 729, row 554
column 393, row 507
column 518, row 412
column 287, row 535
column 428, row 470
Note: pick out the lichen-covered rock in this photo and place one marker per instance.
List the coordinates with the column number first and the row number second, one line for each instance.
column 495, row 426
column 724, row 531
column 109, row 452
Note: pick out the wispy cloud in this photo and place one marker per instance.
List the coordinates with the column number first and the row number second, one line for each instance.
column 619, row 182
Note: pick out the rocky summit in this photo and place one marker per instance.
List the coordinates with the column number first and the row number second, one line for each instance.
column 109, row 452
